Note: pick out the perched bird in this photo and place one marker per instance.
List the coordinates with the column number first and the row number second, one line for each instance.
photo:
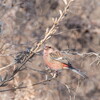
column 56, row 60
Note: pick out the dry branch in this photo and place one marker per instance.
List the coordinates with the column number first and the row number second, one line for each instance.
column 49, row 32
column 97, row 55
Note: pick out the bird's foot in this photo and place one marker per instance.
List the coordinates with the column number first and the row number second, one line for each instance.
column 54, row 74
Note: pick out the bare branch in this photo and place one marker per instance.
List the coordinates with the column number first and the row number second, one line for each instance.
column 96, row 55
column 23, row 57
column 20, row 86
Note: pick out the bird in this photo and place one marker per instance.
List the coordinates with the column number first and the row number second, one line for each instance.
column 55, row 60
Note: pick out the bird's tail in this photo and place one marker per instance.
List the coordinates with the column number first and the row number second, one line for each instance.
column 78, row 72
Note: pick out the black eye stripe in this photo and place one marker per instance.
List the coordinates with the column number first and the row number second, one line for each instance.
column 48, row 47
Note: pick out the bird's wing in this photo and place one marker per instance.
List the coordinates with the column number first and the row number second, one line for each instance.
column 59, row 57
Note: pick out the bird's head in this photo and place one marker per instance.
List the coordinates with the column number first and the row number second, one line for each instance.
column 48, row 49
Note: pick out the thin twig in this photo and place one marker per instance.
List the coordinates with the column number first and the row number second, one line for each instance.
column 13, row 63
column 49, row 32
column 22, row 87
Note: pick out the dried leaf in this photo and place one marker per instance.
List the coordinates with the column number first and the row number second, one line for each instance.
column 60, row 12
column 53, row 19
column 47, row 30
column 65, row 1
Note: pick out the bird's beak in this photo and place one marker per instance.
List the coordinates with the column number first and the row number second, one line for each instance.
column 44, row 47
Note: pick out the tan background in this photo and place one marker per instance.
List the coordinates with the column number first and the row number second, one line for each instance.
column 23, row 24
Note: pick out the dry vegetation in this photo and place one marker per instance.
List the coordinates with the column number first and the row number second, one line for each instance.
column 72, row 26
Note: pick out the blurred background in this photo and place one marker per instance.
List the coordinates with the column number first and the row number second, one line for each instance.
column 23, row 24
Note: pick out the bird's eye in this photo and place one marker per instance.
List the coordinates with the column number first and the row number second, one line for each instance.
column 49, row 47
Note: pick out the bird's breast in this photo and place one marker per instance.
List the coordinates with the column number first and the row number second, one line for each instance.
column 53, row 64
